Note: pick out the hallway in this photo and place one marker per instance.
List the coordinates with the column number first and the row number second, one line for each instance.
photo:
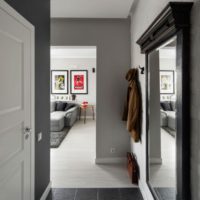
column 73, row 163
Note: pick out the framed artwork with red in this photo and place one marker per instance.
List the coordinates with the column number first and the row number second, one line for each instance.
column 79, row 81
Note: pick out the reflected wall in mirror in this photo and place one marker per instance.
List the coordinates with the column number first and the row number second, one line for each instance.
column 162, row 120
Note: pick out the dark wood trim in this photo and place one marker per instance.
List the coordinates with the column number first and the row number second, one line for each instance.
column 86, row 82
column 173, row 21
column 175, row 16
column 183, row 115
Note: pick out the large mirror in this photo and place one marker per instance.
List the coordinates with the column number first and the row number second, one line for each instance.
column 166, row 45
column 162, row 120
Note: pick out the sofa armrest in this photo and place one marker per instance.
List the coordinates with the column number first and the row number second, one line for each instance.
column 163, row 118
column 52, row 106
column 73, row 109
column 71, row 116
column 163, row 113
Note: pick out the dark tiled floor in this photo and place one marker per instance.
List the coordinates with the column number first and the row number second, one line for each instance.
column 166, row 193
column 95, row 194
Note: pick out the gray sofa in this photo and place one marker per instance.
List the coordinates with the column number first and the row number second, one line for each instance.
column 168, row 119
column 63, row 114
column 168, row 116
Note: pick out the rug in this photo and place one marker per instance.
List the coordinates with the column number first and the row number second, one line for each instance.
column 58, row 137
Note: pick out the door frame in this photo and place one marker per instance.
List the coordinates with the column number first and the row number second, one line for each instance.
column 13, row 13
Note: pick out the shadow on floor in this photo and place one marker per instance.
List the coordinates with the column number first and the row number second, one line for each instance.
column 95, row 194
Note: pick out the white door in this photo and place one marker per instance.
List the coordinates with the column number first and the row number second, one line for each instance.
column 16, row 119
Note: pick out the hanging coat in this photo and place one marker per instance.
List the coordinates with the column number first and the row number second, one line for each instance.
column 132, row 108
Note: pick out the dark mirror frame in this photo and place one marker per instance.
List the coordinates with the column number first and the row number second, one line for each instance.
column 173, row 21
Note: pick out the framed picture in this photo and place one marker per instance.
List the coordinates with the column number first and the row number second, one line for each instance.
column 59, row 82
column 166, row 82
column 79, row 81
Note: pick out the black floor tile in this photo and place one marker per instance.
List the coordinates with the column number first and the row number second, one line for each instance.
column 86, row 194
column 108, row 194
column 166, row 193
column 130, row 194
column 62, row 194
column 95, row 194
column 50, row 196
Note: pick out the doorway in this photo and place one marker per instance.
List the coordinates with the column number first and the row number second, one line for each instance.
column 73, row 114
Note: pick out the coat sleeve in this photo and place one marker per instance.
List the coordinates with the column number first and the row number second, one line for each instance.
column 134, row 109
column 125, row 112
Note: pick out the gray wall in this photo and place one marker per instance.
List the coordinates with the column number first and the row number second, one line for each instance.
column 154, row 108
column 112, row 38
column 38, row 13
column 78, row 64
column 140, row 23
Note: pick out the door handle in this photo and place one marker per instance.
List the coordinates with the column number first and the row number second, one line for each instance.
column 27, row 132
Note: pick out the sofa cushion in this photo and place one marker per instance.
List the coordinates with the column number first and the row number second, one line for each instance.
column 57, row 121
column 53, row 106
column 163, row 118
column 60, row 106
column 171, row 118
column 69, row 105
column 166, row 106
column 173, row 105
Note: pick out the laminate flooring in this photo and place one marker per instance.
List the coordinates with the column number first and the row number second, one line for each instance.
column 73, row 163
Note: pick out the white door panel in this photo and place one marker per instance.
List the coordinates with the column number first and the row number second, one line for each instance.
column 12, row 185
column 11, row 143
column 15, row 106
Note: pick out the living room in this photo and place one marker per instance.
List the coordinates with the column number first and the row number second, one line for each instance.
column 73, row 108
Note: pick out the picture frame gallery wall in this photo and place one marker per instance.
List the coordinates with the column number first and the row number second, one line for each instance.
column 60, row 82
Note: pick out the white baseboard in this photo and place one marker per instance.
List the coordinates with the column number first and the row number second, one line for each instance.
column 146, row 193
column 156, row 161
column 46, row 192
column 142, row 190
column 110, row 160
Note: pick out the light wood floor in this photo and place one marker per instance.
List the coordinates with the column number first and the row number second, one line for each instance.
column 164, row 175
column 73, row 163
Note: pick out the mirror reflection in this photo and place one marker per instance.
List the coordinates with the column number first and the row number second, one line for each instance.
column 162, row 120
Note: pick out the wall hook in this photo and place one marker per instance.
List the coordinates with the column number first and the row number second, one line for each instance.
column 141, row 70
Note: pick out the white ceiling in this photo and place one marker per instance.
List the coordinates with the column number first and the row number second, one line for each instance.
column 167, row 53
column 73, row 52
column 91, row 8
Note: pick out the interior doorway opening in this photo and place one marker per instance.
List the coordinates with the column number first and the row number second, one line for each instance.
column 73, row 114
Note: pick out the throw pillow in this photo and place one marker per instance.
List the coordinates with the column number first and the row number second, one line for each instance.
column 60, row 106
column 166, row 105
column 68, row 106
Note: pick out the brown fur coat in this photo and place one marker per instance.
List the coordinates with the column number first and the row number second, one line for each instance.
column 132, row 108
